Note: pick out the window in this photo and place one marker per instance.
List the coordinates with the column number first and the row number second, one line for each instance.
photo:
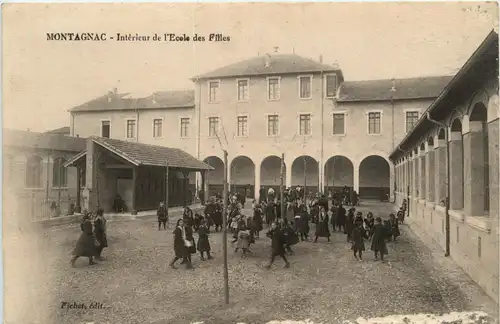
column 374, row 123
column 213, row 126
column 105, row 128
column 273, row 88
column 339, row 124
column 34, row 172
column 213, row 95
column 59, row 173
column 331, row 85
column 131, row 128
column 242, row 125
column 411, row 119
column 242, row 90
column 305, row 124
column 157, row 128
column 185, row 121
column 305, row 87
column 272, row 125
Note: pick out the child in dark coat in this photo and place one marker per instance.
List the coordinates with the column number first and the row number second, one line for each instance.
column 378, row 239
column 358, row 244
column 203, row 242
column 278, row 241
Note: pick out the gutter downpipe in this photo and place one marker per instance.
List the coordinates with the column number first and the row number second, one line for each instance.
column 447, row 201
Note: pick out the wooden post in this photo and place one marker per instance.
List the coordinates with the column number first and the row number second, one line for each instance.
column 305, row 180
column 186, row 188
column 78, row 207
column 282, row 178
column 224, row 232
column 203, row 199
column 134, row 191
column 167, row 184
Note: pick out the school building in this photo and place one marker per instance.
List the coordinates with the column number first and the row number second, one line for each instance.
column 447, row 168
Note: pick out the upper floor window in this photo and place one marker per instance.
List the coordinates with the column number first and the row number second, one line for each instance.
column 157, row 128
column 242, row 125
column 411, row 119
column 338, row 124
column 243, row 90
column 213, row 91
column 131, row 128
column 331, row 85
column 305, row 87
column 34, row 172
column 185, row 121
column 305, row 124
column 213, row 126
column 59, row 173
column 272, row 125
column 273, row 88
column 105, row 128
column 374, row 123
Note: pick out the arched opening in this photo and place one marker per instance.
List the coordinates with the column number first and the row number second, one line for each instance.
column 59, row 173
column 242, row 174
column 339, row 173
column 479, row 168
column 305, row 172
column 422, row 176
column 441, row 134
column 34, row 172
column 456, row 166
column 374, row 178
column 215, row 178
column 270, row 176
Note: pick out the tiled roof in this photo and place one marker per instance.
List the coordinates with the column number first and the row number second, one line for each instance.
column 61, row 130
column 123, row 101
column 278, row 64
column 152, row 155
column 380, row 90
column 18, row 138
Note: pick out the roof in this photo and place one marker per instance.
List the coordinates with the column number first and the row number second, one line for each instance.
column 61, row 130
column 123, row 101
column 18, row 138
column 479, row 68
column 147, row 155
column 278, row 64
column 380, row 90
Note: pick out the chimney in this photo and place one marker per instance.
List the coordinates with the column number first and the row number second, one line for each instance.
column 268, row 60
column 336, row 65
column 321, row 59
column 393, row 83
column 77, row 135
column 154, row 97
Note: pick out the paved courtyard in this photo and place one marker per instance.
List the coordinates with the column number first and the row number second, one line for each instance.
column 135, row 284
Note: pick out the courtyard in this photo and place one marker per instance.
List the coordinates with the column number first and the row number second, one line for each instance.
column 135, row 285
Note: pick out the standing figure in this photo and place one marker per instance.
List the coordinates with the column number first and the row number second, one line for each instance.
column 277, row 245
column 394, row 227
column 341, row 217
column 349, row 223
column 322, row 229
column 291, row 237
column 378, row 239
column 181, row 245
column 217, row 216
column 162, row 214
column 257, row 220
column 243, row 238
column 87, row 244
column 333, row 219
column 100, row 232
column 270, row 213
column 358, row 244
column 192, row 244
column 187, row 216
column 203, row 242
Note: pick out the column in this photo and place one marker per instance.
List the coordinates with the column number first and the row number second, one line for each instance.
column 429, row 167
column 78, row 207
column 320, row 176
column 204, row 187
column 91, row 174
column 356, row 177
column 422, row 175
column 167, row 186
column 414, row 176
column 440, row 171
column 493, row 140
column 456, row 171
column 474, row 170
column 134, row 191
column 288, row 174
column 256, row 189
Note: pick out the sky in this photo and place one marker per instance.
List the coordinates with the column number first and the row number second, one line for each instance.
column 43, row 79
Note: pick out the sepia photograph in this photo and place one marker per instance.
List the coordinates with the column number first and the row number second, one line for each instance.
column 250, row 163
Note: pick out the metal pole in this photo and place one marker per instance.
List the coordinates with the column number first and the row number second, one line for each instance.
column 305, row 179
column 224, row 233
column 282, row 177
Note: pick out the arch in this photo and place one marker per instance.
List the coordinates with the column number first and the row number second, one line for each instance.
column 493, row 108
column 456, row 125
column 441, row 134
column 338, row 173
column 478, row 113
column 242, row 175
column 479, row 97
column 59, row 173
column 374, row 177
column 430, row 141
column 270, row 169
column 305, row 169
column 215, row 178
column 33, row 178
column 422, row 146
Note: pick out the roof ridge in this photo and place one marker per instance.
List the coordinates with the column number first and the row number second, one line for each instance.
column 408, row 78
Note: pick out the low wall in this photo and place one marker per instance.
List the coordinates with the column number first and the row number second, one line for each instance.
column 473, row 240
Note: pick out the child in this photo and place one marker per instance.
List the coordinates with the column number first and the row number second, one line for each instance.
column 394, row 226
column 358, row 244
column 378, row 239
column 203, row 242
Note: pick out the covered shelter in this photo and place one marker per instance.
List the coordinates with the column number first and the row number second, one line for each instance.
column 137, row 176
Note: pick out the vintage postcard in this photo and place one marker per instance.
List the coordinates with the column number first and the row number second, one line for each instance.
column 226, row 163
